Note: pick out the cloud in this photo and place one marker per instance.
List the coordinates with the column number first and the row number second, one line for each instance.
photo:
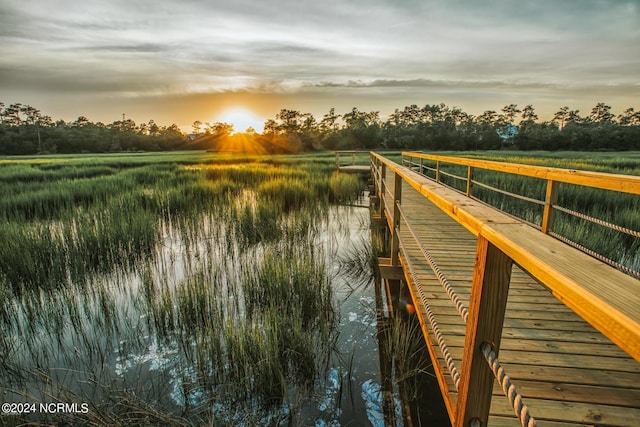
column 368, row 48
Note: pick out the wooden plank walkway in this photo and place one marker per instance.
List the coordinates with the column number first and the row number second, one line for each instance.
column 567, row 372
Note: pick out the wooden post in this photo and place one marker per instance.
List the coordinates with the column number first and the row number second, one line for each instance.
column 469, row 180
column 437, row 170
column 353, row 158
column 487, row 306
column 337, row 159
column 381, row 189
column 550, row 199
column 397, row 197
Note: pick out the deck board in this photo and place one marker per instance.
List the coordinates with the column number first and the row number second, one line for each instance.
column 567, row 372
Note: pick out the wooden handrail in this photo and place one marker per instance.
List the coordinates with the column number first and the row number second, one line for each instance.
column 605, row 181
column 604, row 297
column 351, row 152
column 554, row 176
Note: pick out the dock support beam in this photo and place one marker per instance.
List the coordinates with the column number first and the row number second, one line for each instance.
column 487, row 306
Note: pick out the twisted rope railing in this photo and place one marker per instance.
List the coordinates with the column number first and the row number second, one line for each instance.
column 596, row 255
column 509, row 389
column 453, row 371
column 506, row 193
column 462, row 310
column 598, row 221
column 521, row 410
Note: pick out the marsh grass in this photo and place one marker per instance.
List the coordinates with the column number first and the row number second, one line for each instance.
column 405, row 345
column 122, row 278
column 344, row 186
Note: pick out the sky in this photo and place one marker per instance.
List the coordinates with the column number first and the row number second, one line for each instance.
column 177, row 62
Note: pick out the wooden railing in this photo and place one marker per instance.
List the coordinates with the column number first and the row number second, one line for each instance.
column 351, row 157
column 549, row 202
column 606, row 298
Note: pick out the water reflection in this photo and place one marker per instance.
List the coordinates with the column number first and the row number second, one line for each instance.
column 203, row 331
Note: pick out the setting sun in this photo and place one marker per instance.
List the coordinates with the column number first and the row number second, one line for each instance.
column 242, row 119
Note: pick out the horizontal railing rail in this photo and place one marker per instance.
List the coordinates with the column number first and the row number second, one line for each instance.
column 603, row 296
column 351, row 157
column 549, row 200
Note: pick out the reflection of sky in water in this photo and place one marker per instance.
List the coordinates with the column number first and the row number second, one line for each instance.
column 357, row 346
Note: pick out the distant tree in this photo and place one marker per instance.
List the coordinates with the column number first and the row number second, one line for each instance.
column 80, row 122
column 154, row 129
column 488, row 120
column 329, row 122
column 528, row 114
column 290, row 121
column 560, row 117
column 528, row 129
column 222, row 129
column 629, row 117
column 573, row 116
column 197, row 127
column 359, row 119
column 270, row 128
column 143, row 129
column 509, row 113
column 12, row 115
column 309, row 123
column 362, row 129
column 601, row 113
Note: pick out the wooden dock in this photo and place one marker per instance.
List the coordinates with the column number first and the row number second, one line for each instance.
column 493, row 293
column 353, row 161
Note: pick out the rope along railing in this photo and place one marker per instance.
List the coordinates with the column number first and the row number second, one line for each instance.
column 596, row 255
column 521, row 410
column 550, row 205
column 510, row 391
column 453, row 371
column 599, row 221
column 516, row 401
column 457, row 302
column 506, row 193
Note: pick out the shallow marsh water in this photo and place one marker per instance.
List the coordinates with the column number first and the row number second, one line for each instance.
column 120, row 339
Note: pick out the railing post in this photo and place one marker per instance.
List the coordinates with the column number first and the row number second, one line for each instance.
column 353, row 158
column 487, row 306
column 469, row 180
column 421, row 166
column 381, row 189
column 397, row 197
column 550, row 199
column 437, row 170
column 337, row 159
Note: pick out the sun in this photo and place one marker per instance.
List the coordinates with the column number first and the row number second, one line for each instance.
column 242, row 119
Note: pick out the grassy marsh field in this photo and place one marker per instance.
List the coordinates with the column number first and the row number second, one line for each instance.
column 176, row 289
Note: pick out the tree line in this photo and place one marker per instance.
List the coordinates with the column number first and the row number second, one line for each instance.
column 24, row 130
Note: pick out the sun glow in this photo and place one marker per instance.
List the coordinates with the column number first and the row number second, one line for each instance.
column 242, row 119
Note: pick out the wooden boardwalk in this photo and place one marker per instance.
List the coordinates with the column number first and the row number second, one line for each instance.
column 566, row 371
column 361, row 169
